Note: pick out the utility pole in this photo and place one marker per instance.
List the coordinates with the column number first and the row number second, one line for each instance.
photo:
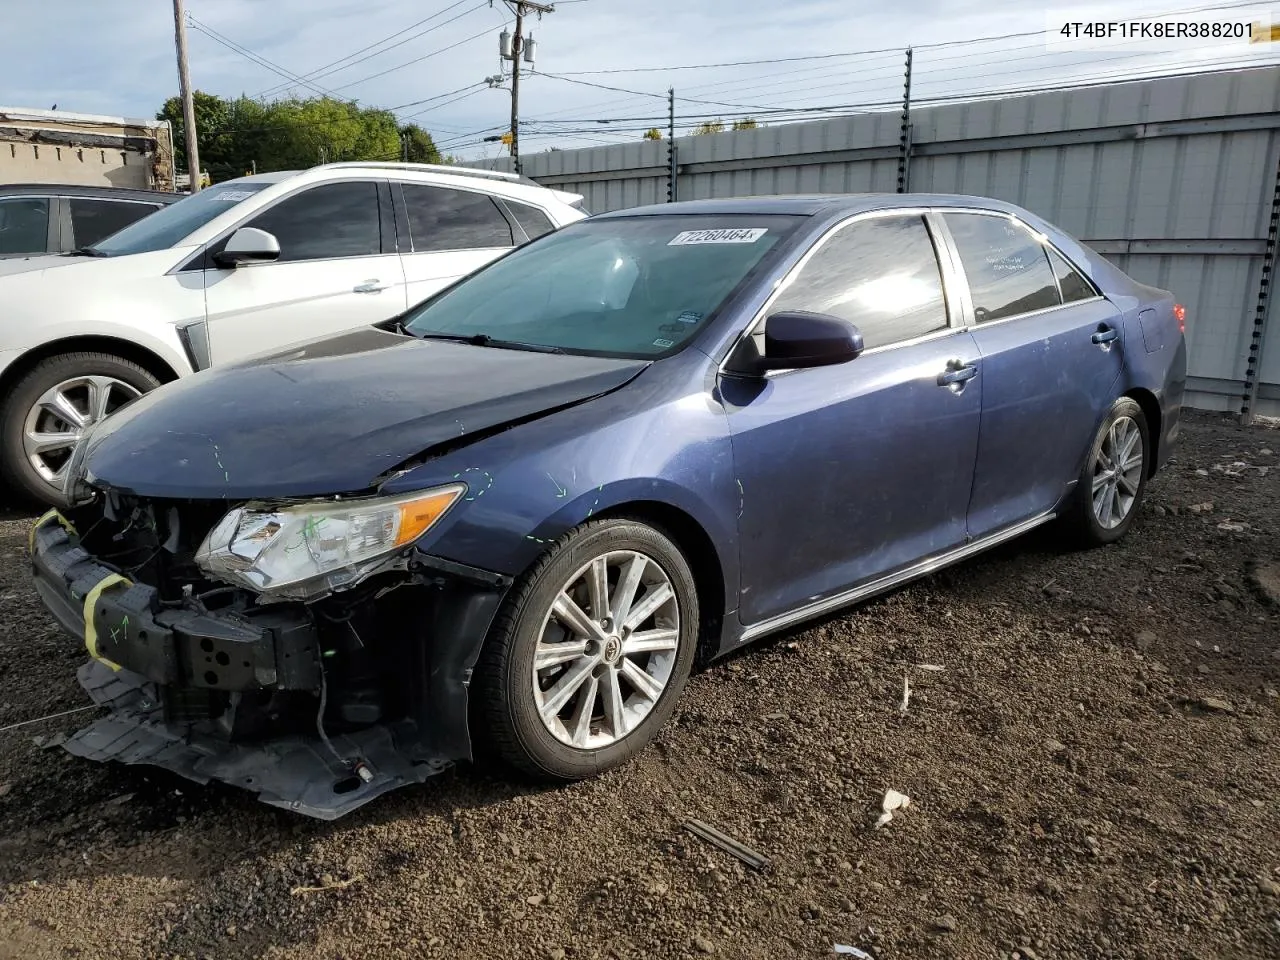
column 184, row 88
column 517, row 47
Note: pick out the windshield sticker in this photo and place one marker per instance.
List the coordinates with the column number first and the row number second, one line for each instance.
column 689, row 316
column 664, row 343
column 736, row 235
column 236, row 195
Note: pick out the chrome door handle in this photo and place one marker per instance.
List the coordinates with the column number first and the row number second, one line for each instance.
column 370, row 286
column 1105, row 336
column 957, row 375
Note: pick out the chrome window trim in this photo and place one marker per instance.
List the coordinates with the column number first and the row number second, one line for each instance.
column 951, row 286
column 200, row 250
column 1039, row 238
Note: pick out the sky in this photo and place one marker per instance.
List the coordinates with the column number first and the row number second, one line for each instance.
column 116, row 57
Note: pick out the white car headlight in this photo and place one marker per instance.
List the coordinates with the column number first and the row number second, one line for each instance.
column 305, row 550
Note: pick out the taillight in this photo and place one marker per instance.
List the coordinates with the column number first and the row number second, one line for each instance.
column 1180, row 314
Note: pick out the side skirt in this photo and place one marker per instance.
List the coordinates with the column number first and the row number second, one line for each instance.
column 920, row 569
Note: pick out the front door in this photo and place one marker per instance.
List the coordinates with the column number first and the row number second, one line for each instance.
column 1052, row 352
column 336, row 271
column 852, row 471
column 451, row 234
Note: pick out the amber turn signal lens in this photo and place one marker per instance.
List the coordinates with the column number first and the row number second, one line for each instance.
column 417, row 516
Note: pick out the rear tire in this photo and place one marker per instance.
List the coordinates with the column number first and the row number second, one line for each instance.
column 589, row 654
column 1113, row 480
column 93, row 384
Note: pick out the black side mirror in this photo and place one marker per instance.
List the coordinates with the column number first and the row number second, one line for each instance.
column 797, row 338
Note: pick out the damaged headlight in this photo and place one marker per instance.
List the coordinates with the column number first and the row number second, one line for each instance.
column 305, row 550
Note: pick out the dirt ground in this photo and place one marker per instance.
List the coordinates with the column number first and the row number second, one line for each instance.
column 1094, row 772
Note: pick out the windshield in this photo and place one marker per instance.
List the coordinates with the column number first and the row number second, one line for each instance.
column 625, row 287
column 167, row 226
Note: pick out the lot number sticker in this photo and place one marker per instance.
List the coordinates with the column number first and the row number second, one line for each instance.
column 737, row 235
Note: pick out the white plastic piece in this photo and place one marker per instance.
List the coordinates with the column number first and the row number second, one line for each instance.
column 893, row 800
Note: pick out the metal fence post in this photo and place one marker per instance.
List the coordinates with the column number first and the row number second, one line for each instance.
column 904, row 139
column 1253, row 363
column 671, row 145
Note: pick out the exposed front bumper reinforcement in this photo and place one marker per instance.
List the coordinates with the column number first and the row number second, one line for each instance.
column 295, row 773
column 155, row 665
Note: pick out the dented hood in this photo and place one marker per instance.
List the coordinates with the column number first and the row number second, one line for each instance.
column 332, row 415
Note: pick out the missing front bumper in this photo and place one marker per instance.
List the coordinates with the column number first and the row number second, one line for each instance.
column 295, row 773
column 157, row 667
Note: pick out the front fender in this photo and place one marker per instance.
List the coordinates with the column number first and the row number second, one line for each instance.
column 528, row 486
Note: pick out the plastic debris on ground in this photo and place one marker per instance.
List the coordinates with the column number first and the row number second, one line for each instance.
column 893, row 800
column 853, row 951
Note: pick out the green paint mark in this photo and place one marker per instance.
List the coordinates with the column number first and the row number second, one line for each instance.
column 488, row 482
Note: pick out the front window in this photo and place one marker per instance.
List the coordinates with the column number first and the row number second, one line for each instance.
column 623, row 287
column 166, row 227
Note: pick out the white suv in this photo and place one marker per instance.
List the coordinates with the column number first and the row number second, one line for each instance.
column 237, row 269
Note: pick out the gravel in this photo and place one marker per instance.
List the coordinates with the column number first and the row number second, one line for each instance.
column 1094, row 772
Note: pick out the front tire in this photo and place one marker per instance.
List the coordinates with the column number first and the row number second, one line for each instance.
column 586, row 660
column 50, row 407
column 1114, row 477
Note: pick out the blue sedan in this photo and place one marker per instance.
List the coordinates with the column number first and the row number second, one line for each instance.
column 519, row 513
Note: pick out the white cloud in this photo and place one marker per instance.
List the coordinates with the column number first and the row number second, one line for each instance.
column 117, row 57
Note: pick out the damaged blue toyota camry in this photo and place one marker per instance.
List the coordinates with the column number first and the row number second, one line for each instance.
column 516, row 515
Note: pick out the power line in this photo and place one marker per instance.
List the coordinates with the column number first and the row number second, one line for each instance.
column 427, row 56
column 255, row 58
column 320, row 71
column 406, row 40
column 863, row 53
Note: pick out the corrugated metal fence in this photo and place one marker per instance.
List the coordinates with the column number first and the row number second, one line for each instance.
column 1173, row 179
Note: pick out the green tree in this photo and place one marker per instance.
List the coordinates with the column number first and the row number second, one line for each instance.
column 653, row 133
column 211, row 116
column 417, row 145
column 745, row 124
column 711, row 126
column 237, row 136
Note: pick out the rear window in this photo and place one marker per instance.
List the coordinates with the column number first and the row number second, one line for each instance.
column 93, row 220
column 24, row 225
column 532, row 220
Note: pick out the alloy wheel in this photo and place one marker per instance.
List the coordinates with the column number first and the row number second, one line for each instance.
column 59, row 418
column 606, row 650
column 1117, row 473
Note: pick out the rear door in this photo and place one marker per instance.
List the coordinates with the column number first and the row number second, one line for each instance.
column 447, row 233
column 338, row 269
column 852, row 471
column 1052, row 350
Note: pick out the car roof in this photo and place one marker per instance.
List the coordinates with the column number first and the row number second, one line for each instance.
column 498, row 182
column 79, row 190
column 810, row 205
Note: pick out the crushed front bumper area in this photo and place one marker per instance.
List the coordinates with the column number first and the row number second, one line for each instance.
column 294, row 772
column 239, row 694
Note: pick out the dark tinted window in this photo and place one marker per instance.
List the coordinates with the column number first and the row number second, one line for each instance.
column 534, row 222
column 443, row 219
column 880, row 274
column 1006, row 266
column 94, row 220
column 1070, row 281
column 24, row 225
column 334, row 220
